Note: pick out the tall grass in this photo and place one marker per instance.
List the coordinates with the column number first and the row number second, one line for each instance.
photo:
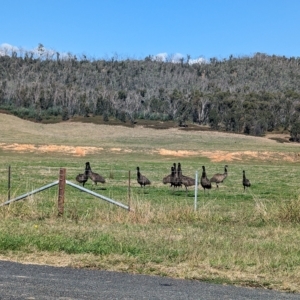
column 259, row 245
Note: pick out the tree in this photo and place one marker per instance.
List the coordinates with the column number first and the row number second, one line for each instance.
column 295, row 131
column 65, row 114
column 174, row 101
column 41, row 50
column 214, row 119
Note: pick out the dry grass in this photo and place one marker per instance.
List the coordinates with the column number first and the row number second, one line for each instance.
column 175, row 241
column 84, row 139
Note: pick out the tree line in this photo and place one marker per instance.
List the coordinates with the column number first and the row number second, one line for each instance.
column 251, row 95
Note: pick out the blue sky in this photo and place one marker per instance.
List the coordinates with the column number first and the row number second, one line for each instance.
column 137, row 28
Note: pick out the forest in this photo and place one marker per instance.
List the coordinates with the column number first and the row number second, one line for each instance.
column 251, row 94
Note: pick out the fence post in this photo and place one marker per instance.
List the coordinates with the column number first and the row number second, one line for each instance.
column 129, row 195
column 61, row 191
column 196, row 191
column 9, row 174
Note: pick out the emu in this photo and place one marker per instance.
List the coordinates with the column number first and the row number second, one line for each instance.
column 95, row 177
column 171, row 178
column 83, row 178
column 219, row 178
column 185, row 180
column 141, row 179
column 246, row 182
column 205, row 183
column 175, row 181
column 174, row 178
column 168, row 178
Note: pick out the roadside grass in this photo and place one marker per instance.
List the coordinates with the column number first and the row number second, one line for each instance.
column 247, row 238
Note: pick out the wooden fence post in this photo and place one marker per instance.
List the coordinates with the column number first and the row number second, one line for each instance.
column 61, row 191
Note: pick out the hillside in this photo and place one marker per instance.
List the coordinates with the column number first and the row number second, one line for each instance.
column 251, row 95
column 85, row 139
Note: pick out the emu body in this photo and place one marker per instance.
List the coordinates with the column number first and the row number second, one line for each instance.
column 205, row 182
column 246, row 182
column 219, row 178
column 82, row 178
column 185, row 180
column 95, row 177
column 141, row 179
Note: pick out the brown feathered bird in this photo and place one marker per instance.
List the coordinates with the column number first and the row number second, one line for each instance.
column 175, row 180
column 205, row 183
column 82, row 178
column 185, row 180
column 174, row 177
column 141, row 179
column 246, row 182
column 219, row 178
column 95, row 177
column 167, row 179
column 171, row 178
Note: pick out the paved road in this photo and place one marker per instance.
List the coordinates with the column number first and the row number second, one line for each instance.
column 19, row 281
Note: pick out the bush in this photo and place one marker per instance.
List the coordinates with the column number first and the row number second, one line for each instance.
column 105, row 117
column 290, row 212
column 65, row 114
column 24, row 113
column 295, row 132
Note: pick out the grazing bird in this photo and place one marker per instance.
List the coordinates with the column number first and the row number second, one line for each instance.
column 246, row 182
column 141, row 179
column 175, row 180
column 167, row 179
column 171, row 178
column 179, row 171
column 82, row 178
column 205, row 183
column 185, row 180
column 95, row 177
column 219, row 178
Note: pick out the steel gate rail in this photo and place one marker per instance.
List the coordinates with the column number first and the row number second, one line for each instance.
column 62, row 181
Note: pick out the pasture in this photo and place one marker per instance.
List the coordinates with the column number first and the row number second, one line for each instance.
column 247, row 238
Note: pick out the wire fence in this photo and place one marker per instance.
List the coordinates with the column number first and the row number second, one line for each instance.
column 21, row 179
column 119, row 184
column 24, row 179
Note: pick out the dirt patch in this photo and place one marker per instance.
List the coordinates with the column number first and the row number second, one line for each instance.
column 214, row 156
column 75, row 151
column 219, row 156
column 179, row 153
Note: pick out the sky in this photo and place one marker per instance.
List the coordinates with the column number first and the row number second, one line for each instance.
column 135, row 29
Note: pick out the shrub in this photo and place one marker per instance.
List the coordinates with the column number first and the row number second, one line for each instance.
column 290, row 211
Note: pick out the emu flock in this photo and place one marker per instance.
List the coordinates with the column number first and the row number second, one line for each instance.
column 88, row 173
column 175, row 178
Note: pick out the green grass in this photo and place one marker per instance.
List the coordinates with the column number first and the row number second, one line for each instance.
column 247, row 238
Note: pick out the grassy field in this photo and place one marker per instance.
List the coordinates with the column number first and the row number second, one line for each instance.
column 246, row 238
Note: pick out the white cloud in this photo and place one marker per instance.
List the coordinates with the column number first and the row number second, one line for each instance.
column 39, row 51
column 177, row 58
column 42, row 52
column 7, row 49
column 199, row 60
column 160, row 57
